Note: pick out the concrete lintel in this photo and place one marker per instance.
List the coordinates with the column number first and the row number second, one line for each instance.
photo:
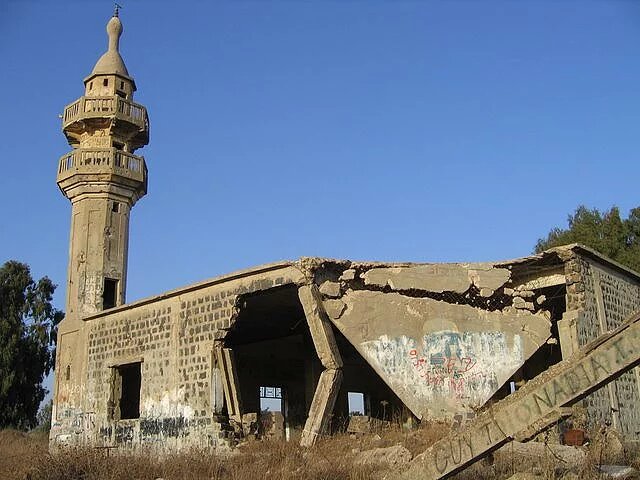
column 542, row 281
column 320, row 326
column 324, row 400
column 536, row 405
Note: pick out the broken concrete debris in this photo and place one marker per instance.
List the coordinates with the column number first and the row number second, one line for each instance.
column 619, row 472
column 533, row 454
column 393, row 456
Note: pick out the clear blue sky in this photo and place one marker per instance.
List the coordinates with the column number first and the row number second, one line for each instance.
column 412, row 131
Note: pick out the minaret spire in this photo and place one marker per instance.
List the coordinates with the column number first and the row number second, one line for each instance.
column 103, row 179
column 114, row 31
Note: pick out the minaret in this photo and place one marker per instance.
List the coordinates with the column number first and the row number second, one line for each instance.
column 103, row 179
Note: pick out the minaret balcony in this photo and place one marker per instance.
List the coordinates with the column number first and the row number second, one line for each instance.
column 113, row 107
column 102, row 165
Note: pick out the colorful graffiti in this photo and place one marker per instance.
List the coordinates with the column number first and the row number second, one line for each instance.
column 446, row 365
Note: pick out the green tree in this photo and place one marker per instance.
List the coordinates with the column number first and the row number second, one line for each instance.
column 43, row 418
column 605, row 232
column 28, row 323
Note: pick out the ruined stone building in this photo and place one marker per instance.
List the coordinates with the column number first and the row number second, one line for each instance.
column 194, row 366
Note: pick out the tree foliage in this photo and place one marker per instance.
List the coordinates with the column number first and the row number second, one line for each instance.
column 605, row 232
column 28, row 323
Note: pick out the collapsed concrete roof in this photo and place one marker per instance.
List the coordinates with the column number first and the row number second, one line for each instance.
column 438, row 340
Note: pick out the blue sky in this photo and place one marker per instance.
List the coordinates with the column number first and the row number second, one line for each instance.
column 410, row 131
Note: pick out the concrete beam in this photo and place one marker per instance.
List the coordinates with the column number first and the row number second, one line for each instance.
column 542, row 281
column 231, row 384
column 438, row 278
column 324, row 400
column 320, row 326
column 535, row 406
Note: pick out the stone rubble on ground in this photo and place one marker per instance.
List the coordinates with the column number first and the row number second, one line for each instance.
column 395, row 455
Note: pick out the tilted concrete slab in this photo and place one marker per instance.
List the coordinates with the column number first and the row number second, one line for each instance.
column 535, row 406
column 322, row 405
column 446, row 277
column 328, row 386
column 319, row 327
column 439, row 358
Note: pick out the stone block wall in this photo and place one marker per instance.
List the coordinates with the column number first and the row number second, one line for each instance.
column 172, row 337
column 605, row 297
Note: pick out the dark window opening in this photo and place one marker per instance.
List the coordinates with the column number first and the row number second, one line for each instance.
column 356, row 403
column 122, row 85
column 115, row 207
column 67, row 375
column 90, row 85
column 121, row 94
column 128, row 379
column 109, row 294
column 105, row 82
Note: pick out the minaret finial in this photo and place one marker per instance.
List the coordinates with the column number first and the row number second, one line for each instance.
column 116, row 11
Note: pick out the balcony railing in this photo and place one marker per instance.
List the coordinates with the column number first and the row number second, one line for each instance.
column 102, row 160
column 91, row 107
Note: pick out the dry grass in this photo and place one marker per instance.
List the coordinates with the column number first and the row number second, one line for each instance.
column 26, row 457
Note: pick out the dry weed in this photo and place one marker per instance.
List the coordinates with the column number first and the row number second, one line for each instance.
column 26, row 457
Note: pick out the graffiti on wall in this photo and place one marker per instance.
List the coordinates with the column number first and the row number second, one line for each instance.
column 447, row 366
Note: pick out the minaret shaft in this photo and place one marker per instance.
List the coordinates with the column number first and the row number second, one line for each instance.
column 98, row 248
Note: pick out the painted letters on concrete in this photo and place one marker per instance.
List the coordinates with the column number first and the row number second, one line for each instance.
column 536, row 405
column 449, row 366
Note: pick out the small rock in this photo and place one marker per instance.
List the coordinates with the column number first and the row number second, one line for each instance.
column 330, row 289
column 619, row 472
column 535, row 453
column 524, row 305
column 526, row 293
column 486, row 292
column 508, row 291
column 396, row 455
column 541, row 299
column 348, row 275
